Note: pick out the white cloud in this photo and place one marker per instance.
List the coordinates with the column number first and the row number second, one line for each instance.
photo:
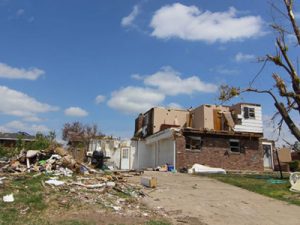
column 241, row 57
column 39, row 128
column 75, row 111
column 169, row 82
column 174, row 105
column 137, row 77
column 223, row 70
column 4, row 129
column 15, row 126
column 99, row 99
column 32, row 119
column 165, row 82
column 135, row 99
column 16, row 103
column 190, row 23
column 9, row 72
column 128, row 20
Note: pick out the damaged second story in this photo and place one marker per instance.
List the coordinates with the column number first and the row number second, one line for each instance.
column 241, row 117
column 238, row 118
column 229, row 137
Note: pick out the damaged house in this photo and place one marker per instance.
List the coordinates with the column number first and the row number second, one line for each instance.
column 229, row 137
column 119, row 154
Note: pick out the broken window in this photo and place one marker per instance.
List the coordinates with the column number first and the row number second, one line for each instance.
column 193, row 143
column 249, row 113
column 235, row 145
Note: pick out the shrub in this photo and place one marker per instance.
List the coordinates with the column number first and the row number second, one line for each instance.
column 8, row 152
column 294, row 166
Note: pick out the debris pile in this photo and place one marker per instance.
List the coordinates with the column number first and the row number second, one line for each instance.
column 57, row 161
column 110, row 191
column 61, row 173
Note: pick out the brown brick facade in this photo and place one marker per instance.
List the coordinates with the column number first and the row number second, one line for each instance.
column 215, row 152
column 138, row 123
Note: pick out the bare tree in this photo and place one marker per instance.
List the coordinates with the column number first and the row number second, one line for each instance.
column 77, row 133
column 287, row 100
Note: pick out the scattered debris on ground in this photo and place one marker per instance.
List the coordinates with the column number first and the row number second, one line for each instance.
column 8, row 198
column 150, row 182
column 55, row 184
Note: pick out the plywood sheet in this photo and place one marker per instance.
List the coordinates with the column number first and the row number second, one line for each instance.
column 284, row 155
column 217, row 120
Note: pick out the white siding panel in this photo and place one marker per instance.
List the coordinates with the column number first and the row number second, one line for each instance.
column 240, row 128
column 252, row 122
column 251, row 125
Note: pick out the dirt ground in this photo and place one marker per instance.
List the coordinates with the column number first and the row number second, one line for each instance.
column 100, row 217
column 36, row 202
column 198, row 200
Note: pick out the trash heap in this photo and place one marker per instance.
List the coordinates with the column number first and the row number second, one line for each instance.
column 62, row 174
column 57, row 161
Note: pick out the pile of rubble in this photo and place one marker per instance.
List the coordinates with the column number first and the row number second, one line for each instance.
column 64, row 173
column 57, row 161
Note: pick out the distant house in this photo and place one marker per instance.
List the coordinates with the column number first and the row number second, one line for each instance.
column 10, row 139
column 229, row 137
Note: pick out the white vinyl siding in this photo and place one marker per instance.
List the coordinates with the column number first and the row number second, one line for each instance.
column 249, row 124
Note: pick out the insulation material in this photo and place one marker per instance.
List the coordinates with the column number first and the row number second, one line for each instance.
column 198, row 168
column 229, row 119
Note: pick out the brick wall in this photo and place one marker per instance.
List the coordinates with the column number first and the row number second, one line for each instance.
column 215, row 152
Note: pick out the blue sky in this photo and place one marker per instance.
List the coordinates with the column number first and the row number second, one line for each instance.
column 104, row 62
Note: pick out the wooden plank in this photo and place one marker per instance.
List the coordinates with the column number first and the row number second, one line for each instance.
column 217, row 119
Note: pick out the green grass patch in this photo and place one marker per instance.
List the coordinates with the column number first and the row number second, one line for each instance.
column 157, row 222
column 28, row 198
column 266, row 185
column 74, row 222
column 151, row 222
